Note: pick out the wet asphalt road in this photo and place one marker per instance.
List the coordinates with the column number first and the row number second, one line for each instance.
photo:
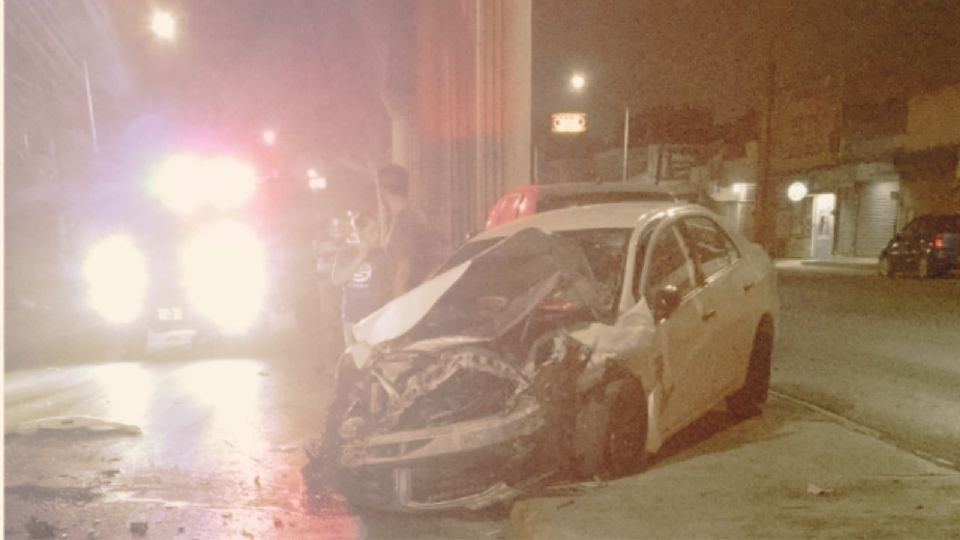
column 222, row 438
column 219, row 456
column 882, row 352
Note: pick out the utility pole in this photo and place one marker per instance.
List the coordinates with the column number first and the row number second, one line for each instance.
column 626, row 138
column 766, row 205
column 93, row 120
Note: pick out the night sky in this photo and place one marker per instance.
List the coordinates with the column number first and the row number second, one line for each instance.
column 303, row 66
column 713, row 53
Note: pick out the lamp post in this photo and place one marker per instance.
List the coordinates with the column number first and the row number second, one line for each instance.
column 269, row 137
column 578, row 82
column 163, row 25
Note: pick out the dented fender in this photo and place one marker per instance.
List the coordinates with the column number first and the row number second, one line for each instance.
column 630, row 342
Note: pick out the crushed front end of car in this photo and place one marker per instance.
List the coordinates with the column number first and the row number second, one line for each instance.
column 469, row 401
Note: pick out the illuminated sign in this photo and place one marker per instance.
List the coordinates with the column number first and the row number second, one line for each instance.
column 569, row 122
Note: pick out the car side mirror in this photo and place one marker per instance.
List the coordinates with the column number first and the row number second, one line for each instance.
column 665, row 302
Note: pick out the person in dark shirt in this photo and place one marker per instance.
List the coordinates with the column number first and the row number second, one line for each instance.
column 360, row 268
column 410, row 243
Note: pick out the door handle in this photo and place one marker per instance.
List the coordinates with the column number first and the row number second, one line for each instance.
column 747, row 286
column 709, row 314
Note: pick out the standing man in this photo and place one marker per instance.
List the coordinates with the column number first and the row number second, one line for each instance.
column 410, row 243
column 359, row 268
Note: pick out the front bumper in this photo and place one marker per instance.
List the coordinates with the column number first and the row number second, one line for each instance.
column 464, row 465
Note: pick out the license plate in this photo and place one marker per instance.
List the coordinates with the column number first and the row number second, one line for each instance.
column 170, row 314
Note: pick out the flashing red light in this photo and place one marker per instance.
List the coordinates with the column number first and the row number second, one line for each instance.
column 938, row 242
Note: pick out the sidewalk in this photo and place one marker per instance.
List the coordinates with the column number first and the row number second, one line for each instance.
column 834, row 261
column 792, row 473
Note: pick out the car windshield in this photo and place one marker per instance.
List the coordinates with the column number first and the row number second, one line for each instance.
column 937, row 224
column 605, row 250
column 509, row 277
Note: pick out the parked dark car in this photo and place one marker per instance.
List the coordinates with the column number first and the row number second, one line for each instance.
column 928, row 246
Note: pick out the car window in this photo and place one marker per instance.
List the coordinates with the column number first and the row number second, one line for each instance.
column 914, row 227
column 946, row 223
column 668, row 265
column 710, row 247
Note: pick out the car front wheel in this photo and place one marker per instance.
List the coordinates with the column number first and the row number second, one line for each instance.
column 626, row 436
column 885, row 267
column 748, row 401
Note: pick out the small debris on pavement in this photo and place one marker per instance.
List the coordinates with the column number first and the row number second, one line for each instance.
column 277, row 522
column 181, row 530
column 226, row 515
column 39, row 529
column 86, row 424
column 247, row 534
column 565, row 504
column 814, row 489
column 256, row 482
column 110, row 473
column 139, row 528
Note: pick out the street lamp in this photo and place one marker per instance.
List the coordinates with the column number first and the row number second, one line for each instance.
column 578, row 82
column 269, row 137
column 163, row 25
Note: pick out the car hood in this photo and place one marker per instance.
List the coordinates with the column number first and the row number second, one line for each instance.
column 484, row 297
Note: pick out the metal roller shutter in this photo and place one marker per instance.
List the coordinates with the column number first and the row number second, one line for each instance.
column 877, row 216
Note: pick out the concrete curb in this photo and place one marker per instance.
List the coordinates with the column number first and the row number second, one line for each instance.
column 872, row 267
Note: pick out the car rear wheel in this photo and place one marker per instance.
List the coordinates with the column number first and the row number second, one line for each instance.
column 626, row 435
column 748, row 401
column 885, row 267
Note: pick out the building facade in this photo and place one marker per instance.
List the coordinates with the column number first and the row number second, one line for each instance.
column 456, row 82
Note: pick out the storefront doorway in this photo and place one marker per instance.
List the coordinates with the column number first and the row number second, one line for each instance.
column 822, row 224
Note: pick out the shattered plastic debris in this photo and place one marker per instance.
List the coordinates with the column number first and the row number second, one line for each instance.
column 39, row 529
column 88, row 424
column 814, row 489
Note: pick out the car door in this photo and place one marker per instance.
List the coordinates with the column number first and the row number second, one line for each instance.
column 727, row 296
column 680, row 335
column 904, row 248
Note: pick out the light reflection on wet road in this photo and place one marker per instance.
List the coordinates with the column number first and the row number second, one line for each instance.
column 220, row 454
column 225, row 435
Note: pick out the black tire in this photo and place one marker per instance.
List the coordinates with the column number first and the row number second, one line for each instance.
column 748, row 401
column 923, row 268
column 885, row 266
column 626, row 433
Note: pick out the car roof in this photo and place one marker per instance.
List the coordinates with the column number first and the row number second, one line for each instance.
column 595, row 216
column 577, row 188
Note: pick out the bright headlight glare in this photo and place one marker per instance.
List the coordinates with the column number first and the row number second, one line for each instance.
column 185, row 183
column 230, row 183
column 116, row 275
column 224, row 274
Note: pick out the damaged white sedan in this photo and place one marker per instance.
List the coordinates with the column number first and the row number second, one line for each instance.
column 570, row 343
